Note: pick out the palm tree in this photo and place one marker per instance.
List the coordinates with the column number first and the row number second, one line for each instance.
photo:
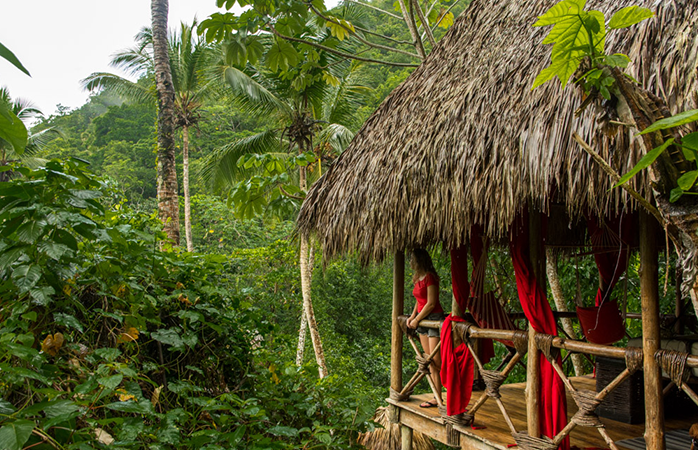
column 188, row 57
column 318, row 118
column 168, row 200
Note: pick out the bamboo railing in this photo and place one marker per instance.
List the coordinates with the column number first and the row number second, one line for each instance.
column 676, row 364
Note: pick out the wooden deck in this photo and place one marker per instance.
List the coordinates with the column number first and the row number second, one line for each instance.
column 497, row 435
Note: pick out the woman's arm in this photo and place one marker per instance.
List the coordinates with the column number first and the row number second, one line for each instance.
column 412, row 316
column 432, row 301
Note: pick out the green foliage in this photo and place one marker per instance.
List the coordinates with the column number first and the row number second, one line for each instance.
column 108, row 341
column 578, row 34
column 7, row 54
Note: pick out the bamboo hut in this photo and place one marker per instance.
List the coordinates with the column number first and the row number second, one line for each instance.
column 464, row 141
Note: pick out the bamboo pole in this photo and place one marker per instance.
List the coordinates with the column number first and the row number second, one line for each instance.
column 398, row 309
column 406, row 435
column 649, row 295
column 537, row 255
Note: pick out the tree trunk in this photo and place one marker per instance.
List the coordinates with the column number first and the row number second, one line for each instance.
column 185, row 181
column 303, row 332
column 642, row 108
column 306, row 282
column 308, row 308
column 560, row 304
column 168, row 201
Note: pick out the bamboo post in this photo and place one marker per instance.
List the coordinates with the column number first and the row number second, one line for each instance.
column 537, row 255
column 649, row 294
column 406, row 435
column 398, row 309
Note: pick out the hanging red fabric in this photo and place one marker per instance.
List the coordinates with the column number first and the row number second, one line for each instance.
column 456, row 369
column 552, row 402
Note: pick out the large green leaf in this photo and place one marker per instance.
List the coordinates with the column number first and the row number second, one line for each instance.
column 8, row 55
column 560, row 11
column 629, row 16
column 111, row 382
column 562, row 69
column 281, row 56
column 690, row 146
column 645, row 162
column 13, row 131
column 673, row 121
column 26, row 276
column 30, row 231
column 687, row 180
column 15, row 434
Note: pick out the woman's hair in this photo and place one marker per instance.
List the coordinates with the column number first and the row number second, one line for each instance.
column 423, row 264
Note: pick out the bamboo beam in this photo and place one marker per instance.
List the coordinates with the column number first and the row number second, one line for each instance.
column 396, row 331
column 649, row 296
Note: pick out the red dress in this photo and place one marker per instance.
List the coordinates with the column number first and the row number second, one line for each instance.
column 420, row 293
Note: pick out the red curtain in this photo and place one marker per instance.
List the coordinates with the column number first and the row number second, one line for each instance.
column 456, row 369
column 552, row 401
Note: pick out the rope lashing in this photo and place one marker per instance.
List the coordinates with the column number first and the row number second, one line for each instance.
column 674, row 364
column 465, row 332
column 633, row 359
column 587, row 403
column 493, row 380
column 526, row 442
column 520, row 340
column 398, row 397
column 544, row 342
column 424, row 364
column 462, row 419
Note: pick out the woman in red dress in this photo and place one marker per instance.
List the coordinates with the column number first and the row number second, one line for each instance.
column 428, row 307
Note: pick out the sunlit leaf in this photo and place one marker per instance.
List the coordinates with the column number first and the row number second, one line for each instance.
column 629, row 16
column 673, row 121
column 560, row 11
column 13, row 131
column 687, row 180
column 645, row 162
column 446, row 21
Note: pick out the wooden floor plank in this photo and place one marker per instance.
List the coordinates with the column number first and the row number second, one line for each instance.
column 497, row 435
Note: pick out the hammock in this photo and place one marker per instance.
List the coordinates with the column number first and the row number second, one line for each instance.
column 603, row 323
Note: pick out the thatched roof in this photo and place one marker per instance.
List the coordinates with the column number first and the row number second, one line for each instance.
column 464, row 139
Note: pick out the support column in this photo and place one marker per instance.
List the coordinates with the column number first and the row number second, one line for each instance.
column 537, row 255
column 406, row 435
column 398, row 309
column 649, row 295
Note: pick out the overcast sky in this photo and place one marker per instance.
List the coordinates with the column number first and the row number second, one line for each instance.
column 61, row 42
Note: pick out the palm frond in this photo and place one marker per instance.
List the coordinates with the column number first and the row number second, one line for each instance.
column 221, row 168
column 337, row 136
column 125, row 89
column 253, row 97
column 37, row 141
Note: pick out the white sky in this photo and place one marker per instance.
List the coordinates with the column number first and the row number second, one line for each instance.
column 61, row 42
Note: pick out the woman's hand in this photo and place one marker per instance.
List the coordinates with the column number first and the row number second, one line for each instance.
column 412, row 323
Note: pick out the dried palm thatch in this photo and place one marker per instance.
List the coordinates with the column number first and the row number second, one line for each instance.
column 464, row 140
column 388, row 437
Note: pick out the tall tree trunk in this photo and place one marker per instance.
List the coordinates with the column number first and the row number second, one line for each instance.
column 641, row 108
column 168, row 201
column 303, row 332
column 560, row 304
column 302, row 335
column 185, row 181
column 306, row 282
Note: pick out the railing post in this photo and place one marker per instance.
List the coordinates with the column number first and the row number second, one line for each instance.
column 406, row 437
column 649, row 295
column 398, row 309
column 537, row 255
